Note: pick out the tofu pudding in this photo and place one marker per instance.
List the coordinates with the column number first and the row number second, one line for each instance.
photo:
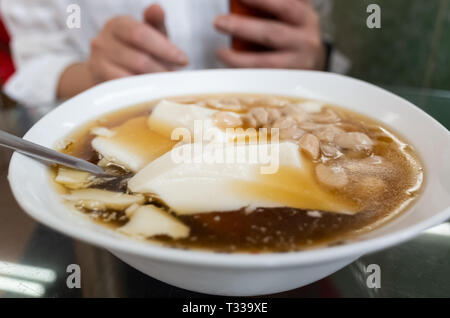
column 240, row 173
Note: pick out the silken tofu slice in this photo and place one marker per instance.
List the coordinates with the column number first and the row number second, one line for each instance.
column 195, row 186
column 73, row 179
column 149, row 220
column 97, row 199
column 167, row 116
column 132, row 145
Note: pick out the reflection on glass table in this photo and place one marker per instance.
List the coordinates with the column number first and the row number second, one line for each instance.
column 34, row 259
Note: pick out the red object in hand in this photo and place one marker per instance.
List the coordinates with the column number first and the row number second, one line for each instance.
column 237, row 7
column 6, row 62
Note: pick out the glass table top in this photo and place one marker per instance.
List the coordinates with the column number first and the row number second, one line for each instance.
column 34, row 259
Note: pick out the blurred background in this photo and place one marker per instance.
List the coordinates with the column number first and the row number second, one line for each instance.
column 409, row 56
column 412, row 48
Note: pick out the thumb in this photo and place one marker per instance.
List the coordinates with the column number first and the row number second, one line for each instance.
column 154, row 15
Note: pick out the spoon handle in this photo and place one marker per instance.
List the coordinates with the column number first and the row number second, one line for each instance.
column 49, row 155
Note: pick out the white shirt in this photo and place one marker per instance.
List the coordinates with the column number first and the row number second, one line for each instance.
column 44, row 46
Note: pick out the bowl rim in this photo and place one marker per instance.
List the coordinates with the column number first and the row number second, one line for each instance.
column 210, row 258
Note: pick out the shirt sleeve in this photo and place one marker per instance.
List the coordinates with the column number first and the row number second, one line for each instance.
column 41, row 47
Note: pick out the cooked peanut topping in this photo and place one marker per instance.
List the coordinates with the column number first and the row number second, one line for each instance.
column 227, row 120
column 330, row 150
column 260, row 116
column 354, row 141
column 288, row 128
column 310, row 144
column 331, row 176
column 326, row 117
column 309, row 126
column 274, row 114
column 270, row 101
column 226, row 103
column 327, row 133
column 296, row 112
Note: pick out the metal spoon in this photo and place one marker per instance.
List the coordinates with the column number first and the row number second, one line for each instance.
column 49, row 155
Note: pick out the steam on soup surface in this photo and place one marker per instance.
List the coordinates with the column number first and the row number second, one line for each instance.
column 338, row 174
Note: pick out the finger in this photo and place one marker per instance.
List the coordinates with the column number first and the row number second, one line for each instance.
column 292, row 11
column 154, row 15
column 149, row 40
column 262, row 31
column 239, row 59
column 106, row 70
column 170, row 66
column 132, row 59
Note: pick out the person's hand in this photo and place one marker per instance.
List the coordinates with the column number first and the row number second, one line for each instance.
column 295, row 36
column 127, row 47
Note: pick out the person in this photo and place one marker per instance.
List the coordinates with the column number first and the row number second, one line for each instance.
column 122, row 38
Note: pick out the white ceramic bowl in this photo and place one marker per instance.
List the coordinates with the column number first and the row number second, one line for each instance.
column 238, row 274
